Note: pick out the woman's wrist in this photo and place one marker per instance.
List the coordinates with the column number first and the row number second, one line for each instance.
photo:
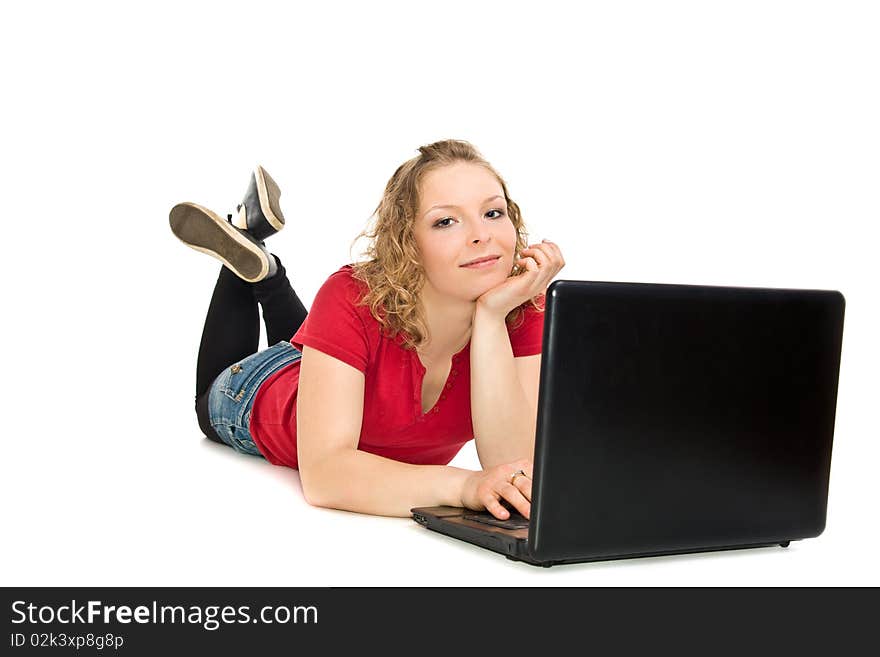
column 485, row 313
column 459, row 481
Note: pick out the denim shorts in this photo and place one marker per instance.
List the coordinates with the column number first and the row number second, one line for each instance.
column 233, row 391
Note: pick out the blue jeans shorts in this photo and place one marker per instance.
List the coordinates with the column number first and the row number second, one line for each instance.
column 232, row 394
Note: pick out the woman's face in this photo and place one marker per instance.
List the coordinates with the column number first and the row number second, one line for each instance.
column 473, row 223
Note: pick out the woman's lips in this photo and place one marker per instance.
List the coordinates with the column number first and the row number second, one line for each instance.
column 485, row 264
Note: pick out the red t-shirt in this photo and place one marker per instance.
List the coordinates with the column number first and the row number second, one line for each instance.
column 393, row 425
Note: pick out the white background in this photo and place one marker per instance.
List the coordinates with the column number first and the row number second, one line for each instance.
column 729, row 143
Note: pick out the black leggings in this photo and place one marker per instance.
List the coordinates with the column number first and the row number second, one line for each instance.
column 232, row 327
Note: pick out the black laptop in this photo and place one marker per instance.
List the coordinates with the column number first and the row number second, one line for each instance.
column 673, row 419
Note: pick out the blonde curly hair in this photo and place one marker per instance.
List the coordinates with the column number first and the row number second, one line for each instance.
column 393, row 270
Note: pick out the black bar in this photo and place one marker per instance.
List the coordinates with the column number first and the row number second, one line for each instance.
column 132, row 621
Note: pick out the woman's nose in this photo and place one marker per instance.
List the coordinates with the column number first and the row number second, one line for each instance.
column 480, row 232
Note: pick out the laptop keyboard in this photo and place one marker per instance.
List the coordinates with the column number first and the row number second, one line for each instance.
column 515, row 521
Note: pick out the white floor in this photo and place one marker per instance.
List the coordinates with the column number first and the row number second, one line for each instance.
column 167, row 507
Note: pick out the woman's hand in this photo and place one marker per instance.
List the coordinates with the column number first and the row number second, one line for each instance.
column 485, row 489
column 541, row 263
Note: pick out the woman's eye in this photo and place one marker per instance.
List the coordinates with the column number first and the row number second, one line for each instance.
column 441, row 224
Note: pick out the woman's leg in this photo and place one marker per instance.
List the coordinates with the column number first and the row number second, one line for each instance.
column 231, row 333
column 283, row 312
column 232, row 327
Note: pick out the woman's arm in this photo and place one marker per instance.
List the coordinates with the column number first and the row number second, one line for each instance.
column 503, row 406
column 504, row 393
column 334, row 473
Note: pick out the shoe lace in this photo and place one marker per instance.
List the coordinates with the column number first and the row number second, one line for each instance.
column 229, row 216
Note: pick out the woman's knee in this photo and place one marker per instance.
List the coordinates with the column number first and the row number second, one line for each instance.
column 204, row 418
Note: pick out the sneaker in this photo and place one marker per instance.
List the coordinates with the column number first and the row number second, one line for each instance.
column 260, row 212
column 204, row 231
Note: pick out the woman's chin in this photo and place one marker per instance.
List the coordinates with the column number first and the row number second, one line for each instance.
column 479, row 291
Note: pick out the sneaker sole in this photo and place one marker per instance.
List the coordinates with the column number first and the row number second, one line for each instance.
column 205, row 231
column 269, row 193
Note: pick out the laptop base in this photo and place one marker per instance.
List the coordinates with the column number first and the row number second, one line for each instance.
column 513, row 544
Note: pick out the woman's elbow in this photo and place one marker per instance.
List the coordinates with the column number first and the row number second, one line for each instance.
column 319, row 482
column 317, row 501
column 311, row 489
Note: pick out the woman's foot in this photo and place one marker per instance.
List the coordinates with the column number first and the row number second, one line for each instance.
column 205, row 231
column 259, row 213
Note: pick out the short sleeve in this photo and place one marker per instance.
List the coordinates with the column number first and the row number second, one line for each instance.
column 526, row 339
column 334, row 324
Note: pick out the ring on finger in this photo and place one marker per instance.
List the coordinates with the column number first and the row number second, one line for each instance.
column 517, row 474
